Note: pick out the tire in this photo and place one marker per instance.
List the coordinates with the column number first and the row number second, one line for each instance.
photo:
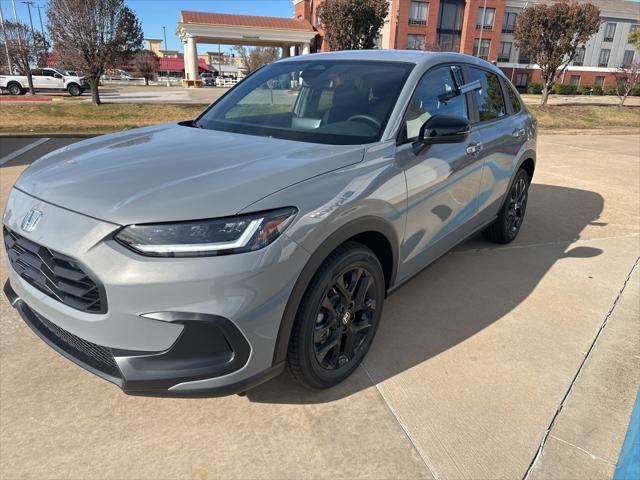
column 15, row 89
column 74, row 90
column 342, row 306
column 506, row 227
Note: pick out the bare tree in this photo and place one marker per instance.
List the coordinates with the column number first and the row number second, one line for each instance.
column 23, row 46
column 96, row 34
column 256, row 57
column 627, row 78
column 550, row 35
column 145, row 64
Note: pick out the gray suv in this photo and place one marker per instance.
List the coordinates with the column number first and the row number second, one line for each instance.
column 202, row 257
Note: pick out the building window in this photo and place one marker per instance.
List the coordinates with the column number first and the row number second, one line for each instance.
column 485, row 18
column 578, row 60
column 609, row 31
column 522, row 57
column 603, row 59
column 450, row 24
column 509, row 23
column 627, row 59
column 522, row 79
column 481, row 48
column 418, row 13
column 415, row 42
column 574, row 80
column 599, row 81
column 505, row 52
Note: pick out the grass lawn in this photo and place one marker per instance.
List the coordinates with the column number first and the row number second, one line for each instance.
column 70, row 117
column 83, row 118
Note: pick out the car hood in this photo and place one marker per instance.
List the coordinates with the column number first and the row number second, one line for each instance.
column 173, row 172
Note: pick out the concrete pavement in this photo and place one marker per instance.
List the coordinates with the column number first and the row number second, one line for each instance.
column 492, row 363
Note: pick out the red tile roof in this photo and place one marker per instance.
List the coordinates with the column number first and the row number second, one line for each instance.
column 177, row 64
column 245, row 21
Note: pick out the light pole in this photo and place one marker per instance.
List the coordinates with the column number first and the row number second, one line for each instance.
column 15, row 18
column 164, row 31
column 6, row 46
column 39, row 7
column 29, row 4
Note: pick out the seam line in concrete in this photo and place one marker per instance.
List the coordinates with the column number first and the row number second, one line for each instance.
column 544, row 244
column 592, row 455
column 547, row 433
column 418, row 450
column 22, row 150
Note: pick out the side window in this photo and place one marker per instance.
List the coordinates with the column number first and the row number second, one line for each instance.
column 513, row 98
column 489, row 98
column 47, row 73
column 36, row 72
column 436, row 94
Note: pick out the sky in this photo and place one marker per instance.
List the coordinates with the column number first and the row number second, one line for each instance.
column 154, row 14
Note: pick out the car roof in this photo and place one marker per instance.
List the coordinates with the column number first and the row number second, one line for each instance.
column 419, row 57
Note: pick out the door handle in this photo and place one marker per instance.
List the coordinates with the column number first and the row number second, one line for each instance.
column 474, row 149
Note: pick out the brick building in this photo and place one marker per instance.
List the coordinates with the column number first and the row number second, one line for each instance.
column 485, row 28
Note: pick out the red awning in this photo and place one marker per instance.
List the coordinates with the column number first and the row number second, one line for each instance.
column 177, row 65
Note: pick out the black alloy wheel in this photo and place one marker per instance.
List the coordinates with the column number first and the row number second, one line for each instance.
column 509, row 222
column 344, row 318
column 337, row 318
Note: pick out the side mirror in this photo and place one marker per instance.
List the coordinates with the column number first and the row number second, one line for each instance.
column 444, row 129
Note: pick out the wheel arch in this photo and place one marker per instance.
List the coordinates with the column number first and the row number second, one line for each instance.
column 372, row 232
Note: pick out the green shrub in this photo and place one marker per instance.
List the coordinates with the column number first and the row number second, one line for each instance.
column 535, row 88
column 596, row 90
column 610, row 90
column 562, row 89
column 585, row 89
column 636, row 91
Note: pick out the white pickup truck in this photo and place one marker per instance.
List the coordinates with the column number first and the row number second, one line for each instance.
column 44, row 79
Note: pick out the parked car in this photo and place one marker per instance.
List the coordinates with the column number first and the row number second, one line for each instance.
column 276, row 237
column 44, row 79
column 117, row 74
column 208, row 79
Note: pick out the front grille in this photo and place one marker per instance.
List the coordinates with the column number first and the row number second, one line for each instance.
column 96, row 356
column 53, row 273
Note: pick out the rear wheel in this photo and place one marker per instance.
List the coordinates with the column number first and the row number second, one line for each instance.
column 74, row 90
column 15, row 89
column 338, row 317
column 507, row 226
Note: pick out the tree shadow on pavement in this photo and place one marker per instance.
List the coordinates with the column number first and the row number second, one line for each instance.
column 464, row 292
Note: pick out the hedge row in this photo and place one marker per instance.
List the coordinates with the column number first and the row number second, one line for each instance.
column 563, row 89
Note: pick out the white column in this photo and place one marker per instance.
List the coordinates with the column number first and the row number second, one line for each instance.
column 306, row 48
column 191, row 61
column 292, row 50
column 286, row 51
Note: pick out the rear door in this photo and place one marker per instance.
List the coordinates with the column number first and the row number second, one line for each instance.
column 501, row 134
column 39, row 81
column 442, row 179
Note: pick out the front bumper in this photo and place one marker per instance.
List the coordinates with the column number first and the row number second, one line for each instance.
column 209, row 346
column 235, row 301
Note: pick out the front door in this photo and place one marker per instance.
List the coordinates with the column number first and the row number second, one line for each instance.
column 52, row 79
column 442, row 179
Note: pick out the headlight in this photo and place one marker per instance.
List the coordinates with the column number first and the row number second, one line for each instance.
column 221, row 236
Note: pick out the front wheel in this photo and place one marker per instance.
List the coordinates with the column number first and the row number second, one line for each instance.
column 15, row 89
column 337, row 318
column 507, row 226
column 74, row 90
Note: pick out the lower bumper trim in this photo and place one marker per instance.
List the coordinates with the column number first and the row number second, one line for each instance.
column 208, row 347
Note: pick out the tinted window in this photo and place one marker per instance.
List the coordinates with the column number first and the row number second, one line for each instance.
column 513, row 98
column 437, row 93
column 489, row 98
column 48, row 73
column 331, row 101
column 36, row 72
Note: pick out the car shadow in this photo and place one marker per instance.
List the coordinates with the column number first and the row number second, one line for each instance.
column 461, row 294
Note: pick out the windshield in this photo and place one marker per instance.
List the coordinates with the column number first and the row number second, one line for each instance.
column 320, row 101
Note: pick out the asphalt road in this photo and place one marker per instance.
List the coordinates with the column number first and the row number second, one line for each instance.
column 491, row 363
